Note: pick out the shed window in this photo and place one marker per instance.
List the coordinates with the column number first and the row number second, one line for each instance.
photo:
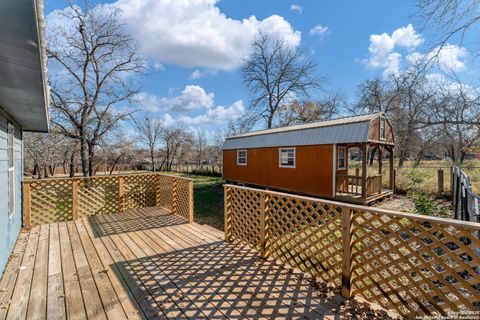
column 342, row 158
column 11, row 173
column 382, row 128
column 287, row 157
column 242, row 157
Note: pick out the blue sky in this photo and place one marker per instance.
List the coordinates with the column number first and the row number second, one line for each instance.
column 194, row 48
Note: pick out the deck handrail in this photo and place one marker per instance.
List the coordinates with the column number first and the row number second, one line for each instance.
column 63, row 199
column 384, row 256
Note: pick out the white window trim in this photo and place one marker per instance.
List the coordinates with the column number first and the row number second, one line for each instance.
column 384, row 129
column 338, row 158
column 280, row 165
column 246, row 157
column 11, row 170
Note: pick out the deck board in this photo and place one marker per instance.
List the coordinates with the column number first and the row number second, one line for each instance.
column 149, row 264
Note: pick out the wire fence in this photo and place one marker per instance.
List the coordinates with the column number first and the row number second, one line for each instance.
column 465, row 202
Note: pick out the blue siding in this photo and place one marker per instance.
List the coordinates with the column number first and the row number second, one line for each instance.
column 9, row 226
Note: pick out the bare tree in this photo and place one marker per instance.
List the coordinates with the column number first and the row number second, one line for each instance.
column 149, row 133
column 44, row 152
column 94, row 59
column 173, row 139
column 273, row 73
column 199, row 145
column 308, row 111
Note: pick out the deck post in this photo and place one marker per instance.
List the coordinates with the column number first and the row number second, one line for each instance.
column 264, row 225
column 392, row 172
column 74, row 199
column 190, row 201
column 227, row 214
column 347, row 215
column 364, row 170
column 27, row 205
column 380, row 157
column 121, row 194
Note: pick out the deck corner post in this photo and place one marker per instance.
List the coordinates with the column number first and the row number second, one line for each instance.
column 121, row 194
column 74, row 199
column 157, row 189
column 174, row 195
column 347, row 215
column 190, row 201
column 264, row 225
column 227, row 214
column 364, row 170
column 27, row 205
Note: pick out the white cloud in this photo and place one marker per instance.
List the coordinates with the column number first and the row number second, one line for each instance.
column 195, row 33
column 382, row 48
column 448, row 58
column 197, row 73
column 296, row 7
column 319, row 31
column 191, row 98
column 148, row 102
column 215, row 116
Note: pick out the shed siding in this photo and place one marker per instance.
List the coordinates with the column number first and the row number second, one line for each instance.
column 312, row 173
column 9, row 226
column 374, row 132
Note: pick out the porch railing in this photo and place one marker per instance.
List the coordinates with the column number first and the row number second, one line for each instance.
column 374, row 185
column 53, row 200
column 349, row 184
column 413, row 264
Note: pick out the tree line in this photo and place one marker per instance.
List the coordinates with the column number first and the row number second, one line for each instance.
column 94, row 86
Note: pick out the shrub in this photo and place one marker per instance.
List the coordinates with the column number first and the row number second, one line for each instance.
column 420, row 199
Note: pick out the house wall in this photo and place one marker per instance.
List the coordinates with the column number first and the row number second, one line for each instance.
column 312, row 175
column 9, row 226
column 374, row 132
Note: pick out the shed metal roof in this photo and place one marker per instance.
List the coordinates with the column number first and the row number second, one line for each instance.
column 344, row 130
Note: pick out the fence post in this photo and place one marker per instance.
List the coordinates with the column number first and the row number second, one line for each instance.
column 121, row 194
column 190, row 201
column 157, row 190
column 174, row 195
column 74, row 200
column 227, row 214
column 264, row 225
column 346, row 252
column 441, row 188
column 27, row 205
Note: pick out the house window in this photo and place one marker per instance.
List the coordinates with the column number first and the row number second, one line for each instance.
column 382, row 128
column 342, row 158
column 242, row 157
column 11, row 172
column 287, row 158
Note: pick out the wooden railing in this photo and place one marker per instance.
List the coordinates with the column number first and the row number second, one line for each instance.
column 374, row 185
column 52, row 200
column 349, row 184
column 411, row 264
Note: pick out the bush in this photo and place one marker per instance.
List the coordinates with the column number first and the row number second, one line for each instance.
column 421, row 200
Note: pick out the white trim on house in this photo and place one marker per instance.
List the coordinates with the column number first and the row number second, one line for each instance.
column 11, row 168
column 280, row 150
column 344, row 158
column 239, row 157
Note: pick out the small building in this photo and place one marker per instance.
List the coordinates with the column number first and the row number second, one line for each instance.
column 313, row 159
column 23, row 106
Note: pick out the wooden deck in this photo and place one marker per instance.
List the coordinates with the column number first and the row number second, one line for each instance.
column 149, row 264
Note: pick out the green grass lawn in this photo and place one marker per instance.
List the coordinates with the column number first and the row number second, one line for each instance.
column 208, row 200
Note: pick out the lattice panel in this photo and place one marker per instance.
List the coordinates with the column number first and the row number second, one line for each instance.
column 97, row 196
column 183, row 196
column 140, row 191
column 164, row 191
column 306, row 235
column 245, row 217
column 414, row 266
column 51, row 201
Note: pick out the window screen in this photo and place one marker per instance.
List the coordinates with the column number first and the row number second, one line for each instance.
column 382, row 128
column 342, row 156
column 242, row 157
column 11, row 173
column 287, row 157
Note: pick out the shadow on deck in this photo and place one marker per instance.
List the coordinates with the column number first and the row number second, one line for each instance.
column 146, row 263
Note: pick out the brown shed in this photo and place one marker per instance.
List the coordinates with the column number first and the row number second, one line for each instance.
column 313, row 159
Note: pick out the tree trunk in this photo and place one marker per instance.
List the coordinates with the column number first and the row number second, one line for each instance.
column 84, row 156
column 91, row 160
column 36, row 171
column 72, row 165
column 152, row 157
